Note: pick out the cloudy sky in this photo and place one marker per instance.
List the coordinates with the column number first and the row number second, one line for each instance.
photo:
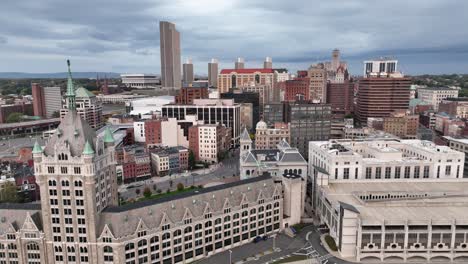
column 427, row 36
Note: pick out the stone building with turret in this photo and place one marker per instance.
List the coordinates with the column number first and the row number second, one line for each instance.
column 79, row 220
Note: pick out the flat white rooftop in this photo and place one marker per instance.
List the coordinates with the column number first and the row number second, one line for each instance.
column 400, row 201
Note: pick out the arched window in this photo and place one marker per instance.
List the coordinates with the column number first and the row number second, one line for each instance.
column 58, row 249
column 285, row 171
column 154, row 239
column 233, row 81
column 32, row 246
column 65, row 183
column 166, row 236
column 83, row 250
column 227, row 218
column 71, row 249
column 245, row 213
column 198, row 227
column 236, row 216
column 247, row 172
column 142, row 243
column 300, row 171
column 188, row 229
column 177, row 232
column 253, row 211
column 78, row 183
column 268, row 207
column 208, row 224
column 129, row 246
column 218, row 221
column 295, row 171
column 107, row 249
column 257, row 78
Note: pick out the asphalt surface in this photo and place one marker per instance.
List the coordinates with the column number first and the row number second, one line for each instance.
column 227, row 170
column 9, row 147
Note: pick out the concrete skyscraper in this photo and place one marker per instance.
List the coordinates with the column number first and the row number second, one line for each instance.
column 335, row 63
column 187, row 69
column 213, row 73
column 239, row 63
column 267, row 64
column 170, row 55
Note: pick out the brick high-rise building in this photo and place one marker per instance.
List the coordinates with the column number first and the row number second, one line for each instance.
column 340, row 96
column 317, row 75
column 381, row 94
column 240, row 77
column 153, row 132
column 188, row 94
column 402, row 125
column 170, row 55
column 297, row 90
column 39, row 100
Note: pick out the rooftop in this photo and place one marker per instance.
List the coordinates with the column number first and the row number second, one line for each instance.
column 412, row 200
column 246, row 71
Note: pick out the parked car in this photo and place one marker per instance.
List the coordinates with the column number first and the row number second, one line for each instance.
column 257, row 239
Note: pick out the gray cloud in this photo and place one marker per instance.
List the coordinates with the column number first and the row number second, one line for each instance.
column 123, row 35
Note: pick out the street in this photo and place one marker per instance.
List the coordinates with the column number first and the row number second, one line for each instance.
column 225, row 171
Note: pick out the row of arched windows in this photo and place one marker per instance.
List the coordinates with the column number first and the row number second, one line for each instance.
column 66, row 183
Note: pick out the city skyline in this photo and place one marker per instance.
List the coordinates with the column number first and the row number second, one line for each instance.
column 424, row 36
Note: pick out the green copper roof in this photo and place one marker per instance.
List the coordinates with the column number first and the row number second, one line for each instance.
column 88, row 150
column 70, row 94
column 83, row 92
column 37, row 149
column 108, row 137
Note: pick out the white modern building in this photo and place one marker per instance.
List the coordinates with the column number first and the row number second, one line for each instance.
column 435, row 96
column 149, row 105
column 140, row 81
column 381, row 67
column 118, row 98
column 53, row 101
column 210, row 111
column 390, row 200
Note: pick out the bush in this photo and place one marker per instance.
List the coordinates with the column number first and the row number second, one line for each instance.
column 147, row 192
column 180, row 186
column 192, row 187
column 168, row 190
column 331, row 243
column 158, row 191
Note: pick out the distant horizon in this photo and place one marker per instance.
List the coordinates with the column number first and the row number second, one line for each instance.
column 424, row 36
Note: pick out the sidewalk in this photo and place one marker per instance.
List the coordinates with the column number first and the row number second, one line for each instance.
column 333, row 253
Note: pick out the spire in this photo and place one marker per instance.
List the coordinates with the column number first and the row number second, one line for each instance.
column 88, row 150
column 37, row 149
column 108, row 137
column 245, row 136
column 70, row 90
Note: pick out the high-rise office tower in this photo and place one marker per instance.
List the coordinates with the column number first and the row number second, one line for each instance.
column 170, row 55
column 317, row 75
column 187, row 69
column 383, row 92
column 268, row 64
column 47, row 101
column 213, row 73
column 335, row 63
column 239, row 63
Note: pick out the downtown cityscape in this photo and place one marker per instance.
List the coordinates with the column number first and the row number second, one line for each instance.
column 212, row 160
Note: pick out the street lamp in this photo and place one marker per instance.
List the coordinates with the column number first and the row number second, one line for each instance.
column 230, row 256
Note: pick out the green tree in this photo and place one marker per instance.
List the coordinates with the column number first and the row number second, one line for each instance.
column 180, row 186
column 9, row 194
column 14, row 117
column 147, row 192
column 191, row 160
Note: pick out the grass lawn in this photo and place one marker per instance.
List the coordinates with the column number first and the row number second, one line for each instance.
column 162, row 194
column 331, row 242
column 291, row 259
column 300, row 226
